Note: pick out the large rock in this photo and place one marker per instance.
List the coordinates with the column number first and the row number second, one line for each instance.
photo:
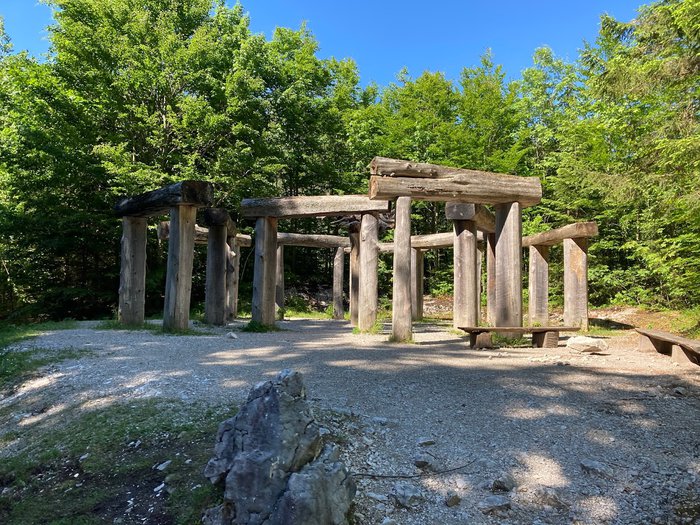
column 269, row 458
column 582, row 343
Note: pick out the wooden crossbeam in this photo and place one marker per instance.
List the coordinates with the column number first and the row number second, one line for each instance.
column 578, row 230
column 157, row 202
column 312, row 240
column 312, row 206
column 459, row 211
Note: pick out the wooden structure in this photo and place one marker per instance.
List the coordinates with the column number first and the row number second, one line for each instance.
column 575, row 238
column 181, row 200
column 682, row 350
column 268, row 211
column 542, row 336
column 392, row 179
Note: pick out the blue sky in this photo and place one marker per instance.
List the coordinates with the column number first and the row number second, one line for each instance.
column 384, row 36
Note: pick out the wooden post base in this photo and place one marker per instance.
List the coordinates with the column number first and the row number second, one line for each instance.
column 545, row 339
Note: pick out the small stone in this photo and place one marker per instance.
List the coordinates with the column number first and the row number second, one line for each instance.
column 84, row 457
column 680, row 391
column 389, row 521
column 582, row 343
column 407, row 495
column 424, row 462
column 232, row 335
column 452, row 500
column 548, row 497
column 494, row 504
column 425, row 442
column 378, row 497
column 159, row 487
column 596, row 467
column 164, row 465
column 503, row 483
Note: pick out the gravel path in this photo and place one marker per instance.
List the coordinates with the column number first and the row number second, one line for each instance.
column 582, row 438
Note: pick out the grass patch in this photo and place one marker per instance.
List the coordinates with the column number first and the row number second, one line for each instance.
column 99, row 466
column 148, row 327
column 259, row 328
column 16, row 366
column 375, row 329
column 10, row 333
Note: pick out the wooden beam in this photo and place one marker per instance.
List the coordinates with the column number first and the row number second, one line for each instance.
column 220, row 217
column 401, row 318
column 417, row 276
column 465, row 300
column 132, row 274
column 491, row 278
column 338, row 271
column 178, row 281
column 578, row 230
column 312, row 240
column 233, row 263
column 368, row 281
column 538, row 286
column 509, row 296
column 194, row 193
column 354, row 285
column 435, row 182
column 312, row 206
column 459, row 211
column 264, row 272
column 215, row 286
column 576, row 282
column 201, row 234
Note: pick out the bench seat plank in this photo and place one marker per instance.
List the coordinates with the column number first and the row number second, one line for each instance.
column 542, row 336
column 681, row 349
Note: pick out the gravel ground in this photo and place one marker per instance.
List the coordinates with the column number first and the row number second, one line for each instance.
column 578, row 438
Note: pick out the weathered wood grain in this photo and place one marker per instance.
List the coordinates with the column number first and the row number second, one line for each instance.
column 509, row 297
column 219, row 217
column 132, row 274
column 491, row 278
column 157, row 202
column 576, row 282
column 354, row 285
column 178, row 280
column 312, row 206
column 338, row 278
column 215, row 285
column 465, row 298
column 279, row 283
column 401, row 318
column 312, row 240
column 233, row 261
column 368, row 281
column 417, row 279
column 538, row 285
column 577, row 230
column 485, row 220
column 264, row 272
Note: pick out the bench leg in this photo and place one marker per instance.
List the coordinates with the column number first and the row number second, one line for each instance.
column 548, row 339
column 482, row 340
column 647, row 344
column 680, row 356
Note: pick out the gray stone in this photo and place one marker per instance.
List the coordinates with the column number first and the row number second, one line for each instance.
column 389, row 521
column 425, row 442
column 549, row 497
column 378, row 497
column 425, row 462
column 597, row 468
column 494, row 504
column 270, row 461
column 581, row 343
column 452, row 500
column 503, row 483
column 407, row 495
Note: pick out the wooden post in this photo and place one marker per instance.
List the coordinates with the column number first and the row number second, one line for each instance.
column 338, row 270
column 576, row 282
column 178, row 281
column 417, row 284
column 509, row 297
column 264, row 273
column 538, row 286
column 215, row 288
column 465, row 303
column 279, row 284
column 479, row 271
column 368, row 281
column 132, row 275
column 354, row 277
column 233, row 262
column 401, row 318
column 491, row 278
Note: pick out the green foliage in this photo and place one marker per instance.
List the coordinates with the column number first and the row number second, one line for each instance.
column 259, row 328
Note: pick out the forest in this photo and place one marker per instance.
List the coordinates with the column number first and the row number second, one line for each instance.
column 136, row 94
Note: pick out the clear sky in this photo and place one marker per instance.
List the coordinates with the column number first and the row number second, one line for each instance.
column 384, row 36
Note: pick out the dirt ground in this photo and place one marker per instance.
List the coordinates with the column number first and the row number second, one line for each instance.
column 577, row 438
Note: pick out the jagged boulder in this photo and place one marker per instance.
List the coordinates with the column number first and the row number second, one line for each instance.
column 271, row 459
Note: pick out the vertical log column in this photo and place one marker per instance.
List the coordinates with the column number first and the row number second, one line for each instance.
column 491, row 279
column 480, row 248
column 576, row 282
column 132, row 276
column 417, row 284
column 233, row 262
column 279, row 284
column 264, row 273
column 509, row 297
column 368, row 281
column 465, row 305
column 354, row 277
column 401, row 315
column 538, row 286
column 338, row 271
column 178, row 281
column 215, row 289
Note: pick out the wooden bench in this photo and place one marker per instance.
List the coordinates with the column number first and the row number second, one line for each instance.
column 681, row 349
column 542, row 336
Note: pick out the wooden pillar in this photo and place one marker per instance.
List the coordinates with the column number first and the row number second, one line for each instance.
column 132, row 275
column 233, row 262
column 509, row 296
column 338, row 277
column 491, row 279
column 368, row 281
column 215, row 288
column 354, row 277
column 264, row 272
column 178, row 281
column 417, row 284
column 279, row 283
column 538, row 286
column 576, row 282
column 480, row 249
column 465, row 306
column 401, row 314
